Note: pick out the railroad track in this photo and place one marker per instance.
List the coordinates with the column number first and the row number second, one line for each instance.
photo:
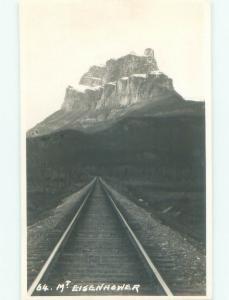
column 98, row 249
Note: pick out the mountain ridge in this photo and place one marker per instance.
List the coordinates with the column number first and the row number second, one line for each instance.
column 106, row 93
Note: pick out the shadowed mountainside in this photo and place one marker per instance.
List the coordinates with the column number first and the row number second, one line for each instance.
column 163, row 147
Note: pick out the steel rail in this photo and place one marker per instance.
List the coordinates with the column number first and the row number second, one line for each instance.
column 60, row 244
column 137, row 244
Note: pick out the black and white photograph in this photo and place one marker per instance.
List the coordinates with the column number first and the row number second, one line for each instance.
column 116, row 132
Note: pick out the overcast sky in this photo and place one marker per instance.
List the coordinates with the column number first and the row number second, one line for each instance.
column 60, row 40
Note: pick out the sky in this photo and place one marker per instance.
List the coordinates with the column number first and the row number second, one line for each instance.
column 61, row 39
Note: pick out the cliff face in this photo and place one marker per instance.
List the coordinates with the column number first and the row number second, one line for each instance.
column 136, row 88
column 85, row 98
column 106, row 92
column 122, row 82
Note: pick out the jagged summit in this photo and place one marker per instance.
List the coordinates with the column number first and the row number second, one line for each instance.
column 120, row 82
column 107, row 91
column 124, row 66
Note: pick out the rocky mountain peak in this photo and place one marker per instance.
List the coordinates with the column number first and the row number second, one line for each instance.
column 107, row 91
column 120, row 82
column 115, row 69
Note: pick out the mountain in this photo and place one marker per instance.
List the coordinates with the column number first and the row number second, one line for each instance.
column 149, row 147
column 126, row 123
column 107, row 93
